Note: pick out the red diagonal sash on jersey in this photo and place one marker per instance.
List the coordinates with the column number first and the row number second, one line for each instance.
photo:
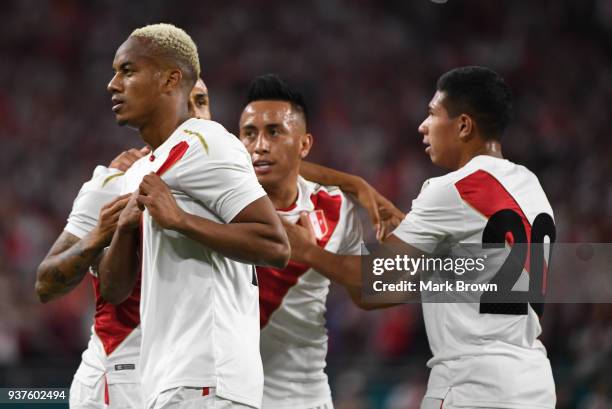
column 176, row 153
column 487, row 196
column 274, row 283
column 113, row 323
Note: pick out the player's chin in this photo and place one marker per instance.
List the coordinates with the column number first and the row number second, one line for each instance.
column 268, row 180
column 263, row 179
column 124, row 120
column 431, row 155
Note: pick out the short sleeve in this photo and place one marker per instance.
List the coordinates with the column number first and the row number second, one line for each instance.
column 437, row 214
column 102, row 188
column 217, row 171
column 353, row 237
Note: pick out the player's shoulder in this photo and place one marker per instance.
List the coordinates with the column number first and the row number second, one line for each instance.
column 451, row 178
column 486, row 166
column 203, row 126
column 439, row 189
column 485, row 171
column 103, row 179
column 527, row 174
column 326, row 196
column 207, row 136
column 313, row 189
column 526, row 185
column 442, row 191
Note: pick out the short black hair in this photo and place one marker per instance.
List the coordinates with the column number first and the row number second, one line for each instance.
column 481, row 93
column 270, row 87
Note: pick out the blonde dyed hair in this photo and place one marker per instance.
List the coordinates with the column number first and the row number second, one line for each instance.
column 172, row 42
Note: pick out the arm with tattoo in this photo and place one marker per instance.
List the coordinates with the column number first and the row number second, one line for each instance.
column 65, row 266
column 70, row 257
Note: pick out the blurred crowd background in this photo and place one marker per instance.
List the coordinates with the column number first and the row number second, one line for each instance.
column 368, row 69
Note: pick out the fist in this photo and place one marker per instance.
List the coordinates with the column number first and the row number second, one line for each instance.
column 109, row 216
column 156, row 196
column 130, row 216
column 301, row 235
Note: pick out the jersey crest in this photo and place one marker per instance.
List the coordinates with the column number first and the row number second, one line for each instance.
column 319, row 223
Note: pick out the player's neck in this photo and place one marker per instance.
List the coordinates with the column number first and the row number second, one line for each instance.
column 159, row 129
column 283, row 195
column 489, row 148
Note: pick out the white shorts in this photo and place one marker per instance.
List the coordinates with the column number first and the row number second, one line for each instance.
column 449, row 402
column 193, row 398
column 105, row 396
column 446, row 403
column 435, row 403
column 327, row 404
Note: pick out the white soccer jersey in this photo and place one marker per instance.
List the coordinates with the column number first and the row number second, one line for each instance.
column 199, row 309
column 489, row 358
column 114, row 344
column 292, row 304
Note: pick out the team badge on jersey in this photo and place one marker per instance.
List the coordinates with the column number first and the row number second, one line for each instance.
column 319, row 223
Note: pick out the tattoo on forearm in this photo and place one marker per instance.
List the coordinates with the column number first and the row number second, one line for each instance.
column 62, row 271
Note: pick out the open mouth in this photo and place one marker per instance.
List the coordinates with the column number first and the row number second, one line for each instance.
column 262, row 166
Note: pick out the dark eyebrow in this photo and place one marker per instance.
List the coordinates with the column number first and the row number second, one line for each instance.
column 200, row 95
column 125, row 65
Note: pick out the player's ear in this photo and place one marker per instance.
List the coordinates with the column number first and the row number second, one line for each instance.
column 305, row 145
column 171, row 79
column 466, row 124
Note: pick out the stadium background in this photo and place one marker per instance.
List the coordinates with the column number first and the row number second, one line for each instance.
column 368, row 69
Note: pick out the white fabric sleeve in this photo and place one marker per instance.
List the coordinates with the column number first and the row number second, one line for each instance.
column 353, row 236
column 219, row 175
column 102, row 188
column 436, row 215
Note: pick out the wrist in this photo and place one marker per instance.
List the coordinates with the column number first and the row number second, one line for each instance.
column 94, row 241
column 126, row 228
column 181, row 221
column 309, row 253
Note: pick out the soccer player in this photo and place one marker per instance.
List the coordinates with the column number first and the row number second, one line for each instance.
column 108, row 371
column 385, row 216
column 484, row 355
column 199, row 298
column 273, row 128
column 107, row 376
column 199, row 102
